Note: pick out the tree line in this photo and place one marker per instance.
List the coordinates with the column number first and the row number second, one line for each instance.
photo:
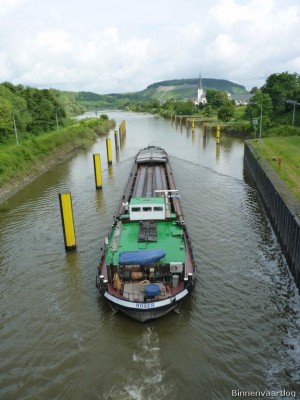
column 271, row 99
column 29, row 110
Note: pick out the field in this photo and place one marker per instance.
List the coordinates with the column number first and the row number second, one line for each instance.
column 283, row 154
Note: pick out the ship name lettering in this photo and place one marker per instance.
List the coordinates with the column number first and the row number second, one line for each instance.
column 145, row 305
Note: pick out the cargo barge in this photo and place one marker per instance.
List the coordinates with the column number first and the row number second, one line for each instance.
column 147, row 266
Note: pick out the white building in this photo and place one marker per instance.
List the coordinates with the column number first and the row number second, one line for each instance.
column 201, row 99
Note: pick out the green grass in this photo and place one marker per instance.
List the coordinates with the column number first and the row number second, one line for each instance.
column 17, row 161
column 239, row 113
column 288, row 150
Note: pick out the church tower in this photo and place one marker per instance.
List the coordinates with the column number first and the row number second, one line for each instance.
column 200, row 91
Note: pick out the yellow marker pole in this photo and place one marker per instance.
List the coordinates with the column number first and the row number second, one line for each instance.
column 66, row 211
column 124, row 124
column 97, row 170
column 116, row 140
column 120, row 135
column 218, row 135
column 193, row 124
column 218, row 153
column 109, row 150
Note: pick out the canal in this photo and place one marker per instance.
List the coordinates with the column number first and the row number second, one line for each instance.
column 238, row 331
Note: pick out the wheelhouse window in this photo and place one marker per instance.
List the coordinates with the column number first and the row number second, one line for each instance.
column 147, row 209
column 135, row 209
column 158, row 209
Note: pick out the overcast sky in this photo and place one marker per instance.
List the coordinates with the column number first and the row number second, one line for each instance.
column 115, row 46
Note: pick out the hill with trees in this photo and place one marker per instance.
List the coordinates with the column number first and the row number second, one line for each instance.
column 207, row 83
column 176, row 89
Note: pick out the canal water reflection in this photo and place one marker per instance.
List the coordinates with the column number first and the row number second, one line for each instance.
column 238, row 331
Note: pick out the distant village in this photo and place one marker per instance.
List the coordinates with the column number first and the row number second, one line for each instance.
column 240, row 99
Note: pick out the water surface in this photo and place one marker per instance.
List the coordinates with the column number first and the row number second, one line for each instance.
column 238, row 331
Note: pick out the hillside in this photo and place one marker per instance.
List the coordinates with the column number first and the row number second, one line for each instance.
column 188, row 87
column 177, row 89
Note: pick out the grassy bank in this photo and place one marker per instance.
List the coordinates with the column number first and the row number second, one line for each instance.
column 34, row 153
column 286, row 149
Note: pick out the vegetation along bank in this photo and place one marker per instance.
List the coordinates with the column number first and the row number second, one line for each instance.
column 20, row 164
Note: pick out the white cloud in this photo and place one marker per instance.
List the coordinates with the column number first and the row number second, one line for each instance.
column 4, row 68
column 54, row 41
column 192, row 32
column 7, row 6
column 124, row 46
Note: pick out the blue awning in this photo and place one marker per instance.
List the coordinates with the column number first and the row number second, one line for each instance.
column 141, row 257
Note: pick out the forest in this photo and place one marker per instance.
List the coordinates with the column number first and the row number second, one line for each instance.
column 29, row 111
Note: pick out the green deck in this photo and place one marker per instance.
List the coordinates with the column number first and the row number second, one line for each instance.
column 168, row 239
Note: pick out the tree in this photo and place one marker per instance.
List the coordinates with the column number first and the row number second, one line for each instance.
column 168, row 105
column 6, row 124
column 43, row 108
column 184, row 107
column 253, row 109
column 281, row 87
column 226, row 112
column 216, row 98
column 208, row 110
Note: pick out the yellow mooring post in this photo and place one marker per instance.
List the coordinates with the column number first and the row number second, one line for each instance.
column 109, row 150
column 116, row 140
column 193, row 124
column 218, row 135
column 120, row 135
column 66, row 211
column 97, row 171
column 218, row 152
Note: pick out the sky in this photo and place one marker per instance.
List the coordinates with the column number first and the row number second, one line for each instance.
column 118, row 46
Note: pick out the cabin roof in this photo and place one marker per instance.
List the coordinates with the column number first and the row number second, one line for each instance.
column 146, row 200
column 169, row 238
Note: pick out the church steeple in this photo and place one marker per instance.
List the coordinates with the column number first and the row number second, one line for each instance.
column 200, row 90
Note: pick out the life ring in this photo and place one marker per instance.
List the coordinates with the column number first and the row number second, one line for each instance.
column 143, row 284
